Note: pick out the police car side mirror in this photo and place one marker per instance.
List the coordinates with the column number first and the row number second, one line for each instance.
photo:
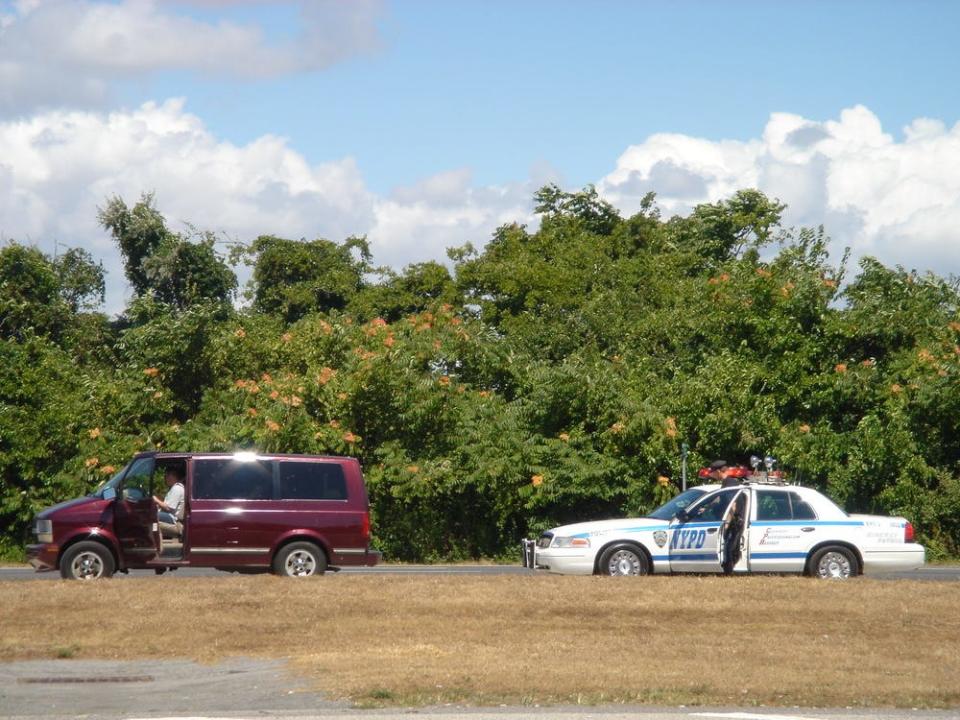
column 682, row 515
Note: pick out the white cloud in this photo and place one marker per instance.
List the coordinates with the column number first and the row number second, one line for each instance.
column 57, row 168
column 68, row 53
column 420, row 222
column 896, row 199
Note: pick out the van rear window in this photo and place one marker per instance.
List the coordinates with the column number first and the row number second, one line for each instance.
column 312, row 481
column 229, row 479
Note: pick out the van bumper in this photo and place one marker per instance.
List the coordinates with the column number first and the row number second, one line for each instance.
column 43, row 556
column 358, row 557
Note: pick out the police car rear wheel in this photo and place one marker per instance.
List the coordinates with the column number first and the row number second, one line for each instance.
column 624, row 560
column 833, row 563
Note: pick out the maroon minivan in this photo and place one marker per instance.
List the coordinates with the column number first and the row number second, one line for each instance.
column 244, row 512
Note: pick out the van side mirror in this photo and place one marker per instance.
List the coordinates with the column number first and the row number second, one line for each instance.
column 109, row 493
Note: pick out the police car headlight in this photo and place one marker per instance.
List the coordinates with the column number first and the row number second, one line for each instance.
column 571, row 542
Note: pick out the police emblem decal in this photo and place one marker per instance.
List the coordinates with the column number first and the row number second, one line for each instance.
column 660, row 538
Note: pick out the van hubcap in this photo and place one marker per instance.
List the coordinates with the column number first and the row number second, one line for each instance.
column 87, row 566
column 301, row 563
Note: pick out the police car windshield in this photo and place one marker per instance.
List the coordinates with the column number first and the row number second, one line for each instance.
column 669, row 510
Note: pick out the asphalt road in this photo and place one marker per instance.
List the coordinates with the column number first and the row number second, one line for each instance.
column 244, row 688
column 943, row 573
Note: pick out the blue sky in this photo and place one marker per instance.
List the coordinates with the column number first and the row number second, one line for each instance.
column 501, row 86
column 426, row 124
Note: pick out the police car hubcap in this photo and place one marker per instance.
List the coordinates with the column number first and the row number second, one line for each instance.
column 834, row 565
column 624, row 563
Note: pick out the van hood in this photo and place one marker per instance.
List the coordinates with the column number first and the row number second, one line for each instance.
column 49, row 512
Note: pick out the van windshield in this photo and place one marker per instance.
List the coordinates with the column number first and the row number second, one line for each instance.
column 113, row 482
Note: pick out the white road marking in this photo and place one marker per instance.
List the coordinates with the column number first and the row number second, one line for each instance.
column 753, row 716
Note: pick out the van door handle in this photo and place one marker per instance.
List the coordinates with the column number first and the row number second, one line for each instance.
column 712, row 530
column 807, row 529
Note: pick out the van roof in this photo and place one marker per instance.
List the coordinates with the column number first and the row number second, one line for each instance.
column 241, row 455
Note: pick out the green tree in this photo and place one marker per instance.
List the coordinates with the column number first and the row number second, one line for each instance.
column 421, row 286
column 138, row 231
column 176, row 270
column 552, row 378
column 723, row 230
column 586, row 207
column 41, row 411
column 293, row 278
column 30, row 294
column 81, row 280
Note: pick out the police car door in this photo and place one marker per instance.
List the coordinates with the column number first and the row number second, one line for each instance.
column 695, row 535
column 783, row 532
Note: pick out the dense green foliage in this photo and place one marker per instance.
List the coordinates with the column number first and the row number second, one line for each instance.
column 550, row 377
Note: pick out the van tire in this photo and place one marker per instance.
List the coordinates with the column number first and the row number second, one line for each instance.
column 300, row 559
column 87, row 560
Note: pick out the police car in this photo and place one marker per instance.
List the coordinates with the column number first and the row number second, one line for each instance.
column 781, row 529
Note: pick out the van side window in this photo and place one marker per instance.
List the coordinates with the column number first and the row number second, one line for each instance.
column 138, row 483
column 312, row 481
column 229, row 479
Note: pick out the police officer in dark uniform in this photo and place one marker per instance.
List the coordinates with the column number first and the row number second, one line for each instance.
column 733, row 520
column 718, row 473
column 733, row 523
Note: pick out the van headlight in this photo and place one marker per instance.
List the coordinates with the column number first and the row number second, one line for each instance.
column 571, row 542
column 43, row 529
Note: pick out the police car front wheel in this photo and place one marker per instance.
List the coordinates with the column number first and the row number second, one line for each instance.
column 833, row 563
column 624, row 560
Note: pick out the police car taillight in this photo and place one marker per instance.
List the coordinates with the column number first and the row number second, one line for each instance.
column 908, row 532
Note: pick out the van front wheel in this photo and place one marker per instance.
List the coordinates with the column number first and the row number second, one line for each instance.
column 300, row 559
column 86, row 560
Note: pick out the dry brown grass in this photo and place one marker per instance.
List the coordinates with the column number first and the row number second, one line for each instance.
column 413, row 640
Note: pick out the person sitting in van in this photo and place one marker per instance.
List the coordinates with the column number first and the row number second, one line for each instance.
column 168, row 512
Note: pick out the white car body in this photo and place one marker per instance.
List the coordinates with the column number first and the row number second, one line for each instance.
column 787, row 529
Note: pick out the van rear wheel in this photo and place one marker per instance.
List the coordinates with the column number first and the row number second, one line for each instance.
column 300, row 559
column 86, row 561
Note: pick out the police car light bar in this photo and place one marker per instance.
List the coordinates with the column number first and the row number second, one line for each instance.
column 745, row 474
